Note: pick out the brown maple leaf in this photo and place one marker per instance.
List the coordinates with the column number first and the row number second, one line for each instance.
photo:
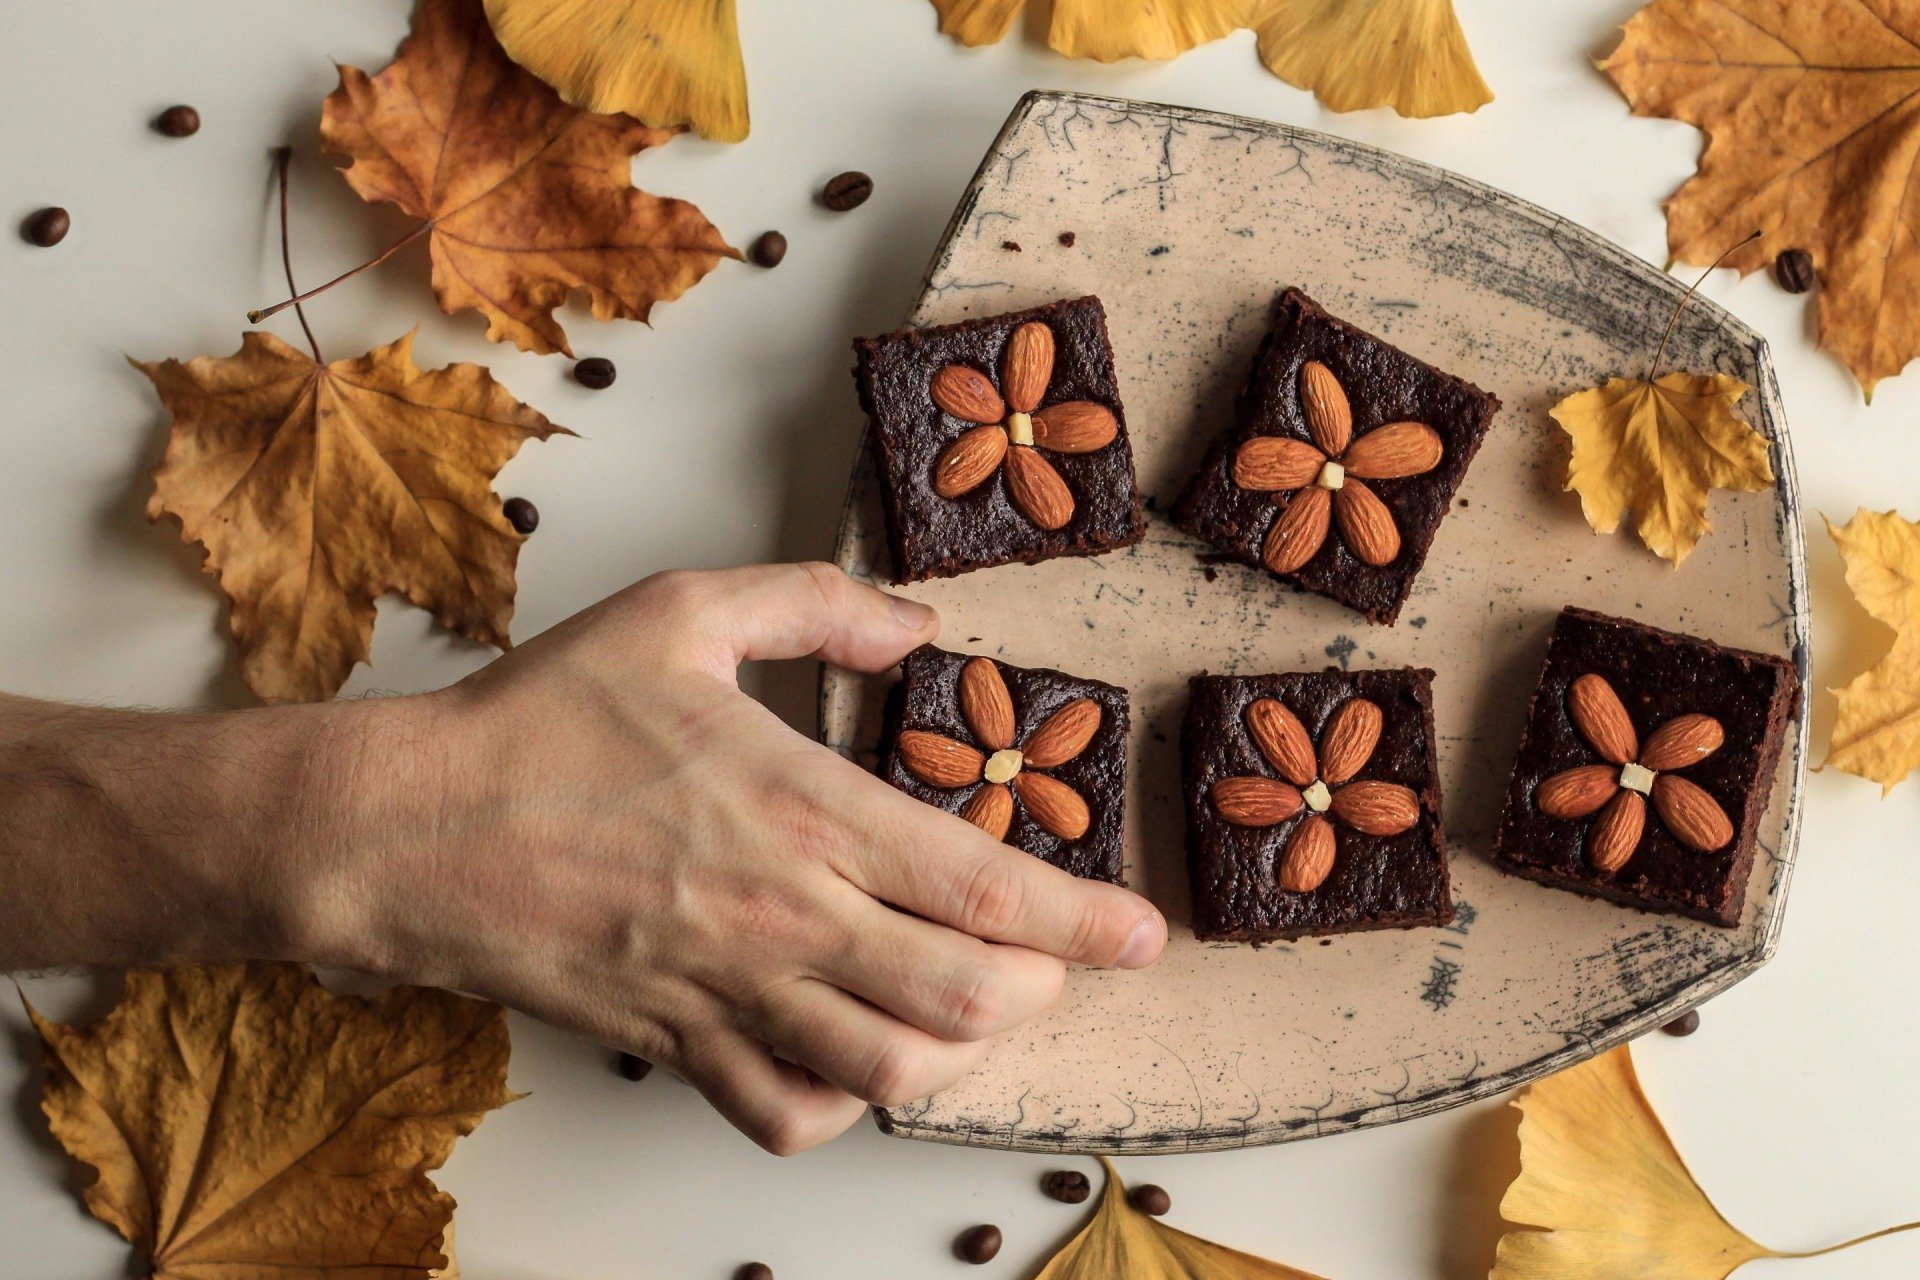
column 317, row 488
column 248, row 1124
column 1811, row 137
column 525, row 198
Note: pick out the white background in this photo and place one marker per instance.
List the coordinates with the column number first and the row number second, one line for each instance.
column 728, row 439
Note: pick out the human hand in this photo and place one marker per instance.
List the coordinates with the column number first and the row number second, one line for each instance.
column 602, row 830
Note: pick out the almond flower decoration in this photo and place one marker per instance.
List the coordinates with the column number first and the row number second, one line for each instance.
column 1013, row 430
column 1009, row 771
column 1617, row 790
column 1322, row 785
column 1327, row 477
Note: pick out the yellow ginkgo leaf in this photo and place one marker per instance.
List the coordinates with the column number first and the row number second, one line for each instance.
column 1406, row 54
column 1122, row 1241
column 1877, row 733
column 1607, row 1192
column 666, row 63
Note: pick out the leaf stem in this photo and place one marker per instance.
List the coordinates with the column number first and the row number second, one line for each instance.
column 281, row 157
column 1848, row 1244
column 257, row 316
column 1654, row 365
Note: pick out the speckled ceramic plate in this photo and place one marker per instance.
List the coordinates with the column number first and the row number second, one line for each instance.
column 1186, row 224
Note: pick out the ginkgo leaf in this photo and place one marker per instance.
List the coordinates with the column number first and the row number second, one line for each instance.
column 524, row 197
column 1877, row 732
column 248, row 1124
column 1810, row 137
column 316, row 488
column 1605, row 1192
column 1656, row 449
column 667, row 63
column 1121, row 1241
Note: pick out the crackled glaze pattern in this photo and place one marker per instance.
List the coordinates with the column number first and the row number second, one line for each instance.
column 1187, row 224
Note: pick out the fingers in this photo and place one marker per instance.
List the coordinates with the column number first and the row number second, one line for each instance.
column 783, row 1108
column 854, row 1046
column 770, row 612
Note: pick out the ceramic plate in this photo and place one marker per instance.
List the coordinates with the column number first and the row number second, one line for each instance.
column 1186, row 224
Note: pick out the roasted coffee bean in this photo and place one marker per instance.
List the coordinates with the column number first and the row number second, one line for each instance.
column 846, row 191
column 178, row 122
column 1684, row 1025
column 47, row 227
column 634, row 1067
column 595, row 373
column 1794, row 270
column 1150, row 1199
column 521, row 514
column 754, row 1271
column 978, row 1244
column 769, row 249
column 1069, row 1186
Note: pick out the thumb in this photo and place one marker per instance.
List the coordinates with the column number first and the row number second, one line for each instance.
column 769, row 612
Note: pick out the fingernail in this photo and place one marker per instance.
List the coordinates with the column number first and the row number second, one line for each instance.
column 911, row 614
column 1144, row 943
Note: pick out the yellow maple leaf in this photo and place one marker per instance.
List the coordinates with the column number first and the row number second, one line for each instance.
column 1810, row 137
column 524, row 198
column 317, row 488
column 1877, row 732
column 248, row 1124
column 1122, row 1241
column 1606, row 1193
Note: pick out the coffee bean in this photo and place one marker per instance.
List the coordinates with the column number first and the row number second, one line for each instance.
column 634, row 1067
column 1684, row 1025
column 1068, row 1186
column 1150, row 1199
column 521, row 514
column 978, row 1244
column 47, row 227
column 1794, row 270
column 595, row 373
column 754, row 1271
column 768, row 250
column 178, row 122
column 846, row 191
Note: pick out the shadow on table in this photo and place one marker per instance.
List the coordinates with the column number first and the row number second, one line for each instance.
column 1486, row 1160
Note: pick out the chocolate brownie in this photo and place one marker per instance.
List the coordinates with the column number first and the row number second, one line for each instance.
column 1000, row 440
column 1032, row 756
column 1343, row 463
column 1313, row 804
column 1645, row 767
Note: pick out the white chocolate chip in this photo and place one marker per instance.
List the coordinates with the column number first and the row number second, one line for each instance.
column 1020, row 427
column 1636, row 777
column 1317, row 796
column 1332, row 475
column 1002, row 765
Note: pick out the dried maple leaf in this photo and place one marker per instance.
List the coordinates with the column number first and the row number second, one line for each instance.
column 1407, row 54
column 316, row 488
column 1810, row 137
column 1122, row 1241
column 1608, row 1193
column 524, row 197
column 1877, row 733
column 248, row 1124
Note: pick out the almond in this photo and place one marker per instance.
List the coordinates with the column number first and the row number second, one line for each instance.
column 1376, row 808
column 1254, row 802
column 1575, row 793
column 986, row 704
column 1276, row 464
column 1682, row 741
column 967, row 393
column 1282, row 739
column 1366, row 524
column 1329, row 416
column 1078, row 426
column 1602, row 719
column 967, row 463
column 1299, row 531
column 1027, row 367
column 1348, row 740
column 1695, row 818
column 1394, row 452
column 1063, row 735
column 991, row 810
column 1037, row 489
column 1054, row 805
column 1616, row 832
column 940, row 761
column 1309, row 856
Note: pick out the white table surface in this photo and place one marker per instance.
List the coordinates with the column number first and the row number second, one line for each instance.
column 727, row 440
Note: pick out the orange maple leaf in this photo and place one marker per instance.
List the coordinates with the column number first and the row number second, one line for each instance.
column 524, row 198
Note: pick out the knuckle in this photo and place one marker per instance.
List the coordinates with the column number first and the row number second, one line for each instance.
column 824, row 578
column 993, row 901
column 975, row 1005
column 674, row 592
column 783, row 1134
column 894, row 1077
column 1090, row 935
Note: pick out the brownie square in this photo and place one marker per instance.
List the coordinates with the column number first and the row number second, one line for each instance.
column 1362, row 530
column 1629, row 705
column 1266, row 758
column 1046, row 468
column 1033, row 756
